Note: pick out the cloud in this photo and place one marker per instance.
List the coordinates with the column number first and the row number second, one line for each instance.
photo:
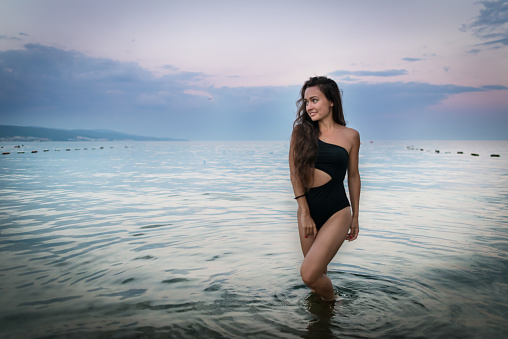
column 48, row 78
column 49, row 87
column 411, row 59
column 494, row 87
column 23, row 34
column 349, row 79
column 387, row 73
column 5, row 37
column 491, row 23
column 170, row 68
column 198, row 93
column 413, row 110
column 396, row 98
column 503, row 42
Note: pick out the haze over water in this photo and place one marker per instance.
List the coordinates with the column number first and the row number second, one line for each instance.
column 199, row 239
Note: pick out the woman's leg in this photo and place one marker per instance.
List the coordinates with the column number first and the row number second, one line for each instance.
column 321, row 250
column 306, row 243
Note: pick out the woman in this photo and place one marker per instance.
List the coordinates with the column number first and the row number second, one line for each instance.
column 322, row 149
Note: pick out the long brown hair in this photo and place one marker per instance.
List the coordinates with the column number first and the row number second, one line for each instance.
column 306, row 132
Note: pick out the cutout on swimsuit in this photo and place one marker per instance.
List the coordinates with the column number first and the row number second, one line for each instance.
column 320, row 178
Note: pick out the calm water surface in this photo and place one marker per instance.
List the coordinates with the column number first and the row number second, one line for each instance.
column 197, row 239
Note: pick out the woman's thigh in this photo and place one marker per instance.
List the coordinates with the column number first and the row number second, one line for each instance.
column 330, row 237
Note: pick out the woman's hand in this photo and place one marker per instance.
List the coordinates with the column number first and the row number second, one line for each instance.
column 309, row 226
column 353, row 230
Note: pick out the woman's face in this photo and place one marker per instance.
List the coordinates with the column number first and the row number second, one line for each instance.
column 316, row 104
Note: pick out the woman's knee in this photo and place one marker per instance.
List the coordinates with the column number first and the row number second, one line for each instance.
column 310, row 275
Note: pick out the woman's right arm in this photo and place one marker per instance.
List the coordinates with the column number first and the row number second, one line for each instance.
column 306, row 221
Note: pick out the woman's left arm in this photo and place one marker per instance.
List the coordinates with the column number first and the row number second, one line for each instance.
column 354, row 184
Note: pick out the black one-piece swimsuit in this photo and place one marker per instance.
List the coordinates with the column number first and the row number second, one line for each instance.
column 325, row 200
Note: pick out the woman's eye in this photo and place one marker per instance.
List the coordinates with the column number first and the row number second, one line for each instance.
column 314, row 100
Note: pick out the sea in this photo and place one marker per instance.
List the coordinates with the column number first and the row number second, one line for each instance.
column 194, row 239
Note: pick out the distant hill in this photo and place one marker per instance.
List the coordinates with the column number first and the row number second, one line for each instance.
column 21, row 133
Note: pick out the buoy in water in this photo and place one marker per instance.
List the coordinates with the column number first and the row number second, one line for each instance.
column 437, row 151
column 475, row 154
column 34, row 151
column 495, row 155
column 460, row 152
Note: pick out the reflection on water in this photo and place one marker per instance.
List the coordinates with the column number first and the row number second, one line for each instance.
column 194, row 239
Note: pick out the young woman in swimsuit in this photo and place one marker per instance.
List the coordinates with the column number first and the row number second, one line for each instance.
column 322, row 150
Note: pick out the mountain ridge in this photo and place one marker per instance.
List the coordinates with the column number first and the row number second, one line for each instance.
column 32, row 133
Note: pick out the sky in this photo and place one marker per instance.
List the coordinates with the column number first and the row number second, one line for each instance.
column 232, row 70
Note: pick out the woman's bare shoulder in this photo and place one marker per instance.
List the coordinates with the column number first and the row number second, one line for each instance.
column 351, row 134
column 352, row 131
